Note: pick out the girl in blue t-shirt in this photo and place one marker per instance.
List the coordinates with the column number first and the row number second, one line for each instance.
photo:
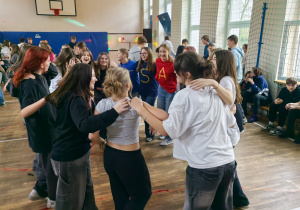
column 148, row 84
column 131, row 67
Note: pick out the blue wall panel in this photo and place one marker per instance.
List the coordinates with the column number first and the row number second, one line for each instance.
column 95, row 41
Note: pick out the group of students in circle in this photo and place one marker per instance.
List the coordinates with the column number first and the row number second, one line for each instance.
column 203, row 119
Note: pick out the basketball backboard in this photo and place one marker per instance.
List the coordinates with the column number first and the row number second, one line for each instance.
column 56, row 7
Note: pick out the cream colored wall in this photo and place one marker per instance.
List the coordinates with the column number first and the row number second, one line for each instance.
column 111, row 16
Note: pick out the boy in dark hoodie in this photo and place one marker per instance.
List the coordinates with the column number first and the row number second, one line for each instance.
column 288, row 94
column 185, row 43
column 238, row 53
column 259, row 93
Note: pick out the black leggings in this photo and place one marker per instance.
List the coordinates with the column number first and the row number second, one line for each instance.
column 129, row 178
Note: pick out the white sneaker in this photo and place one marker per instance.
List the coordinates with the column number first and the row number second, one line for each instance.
column 34, row 195
column 50, row 204
column 245, row 120
column 149, row 139
column 166, row 142
column 161, row 137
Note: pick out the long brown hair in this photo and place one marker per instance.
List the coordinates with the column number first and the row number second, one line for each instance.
column 33, row 59
column 91, row 56
column 64, row 57
column 19, row 62
column 98, row 65
column 77, row 80
column 150, row 62
column 226, row 67
column 15, row 50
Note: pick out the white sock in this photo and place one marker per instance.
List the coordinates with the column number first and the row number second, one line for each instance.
column 279, row 128
column 271, row 123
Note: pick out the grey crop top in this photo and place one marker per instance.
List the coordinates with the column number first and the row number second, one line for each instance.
column 125, row 130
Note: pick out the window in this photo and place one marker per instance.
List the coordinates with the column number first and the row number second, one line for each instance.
column 289, row 62
column 194, row 23
column 169, row 7
column 151, row 7
column 239, row 19
column 148, row 5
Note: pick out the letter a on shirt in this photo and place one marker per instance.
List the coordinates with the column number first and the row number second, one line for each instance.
column 162, row 74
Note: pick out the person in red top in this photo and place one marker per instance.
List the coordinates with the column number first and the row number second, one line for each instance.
column 166, row 77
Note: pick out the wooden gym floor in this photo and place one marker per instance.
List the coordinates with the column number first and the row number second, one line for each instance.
column 268, row 168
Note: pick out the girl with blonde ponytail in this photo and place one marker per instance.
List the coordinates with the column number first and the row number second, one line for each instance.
column 123, row 160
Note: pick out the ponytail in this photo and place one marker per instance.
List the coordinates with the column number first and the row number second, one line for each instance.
column 206, row 70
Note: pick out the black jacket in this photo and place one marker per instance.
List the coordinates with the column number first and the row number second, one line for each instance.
column 289, row 97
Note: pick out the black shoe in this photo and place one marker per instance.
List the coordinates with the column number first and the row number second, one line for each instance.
column 297, row 140
column 287, row 134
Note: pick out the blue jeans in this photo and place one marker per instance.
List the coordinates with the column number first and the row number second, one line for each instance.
column 257, row 99
column 2, row 101
column 150, row 100
column 75, row 186
column 164, row 100
column 209, row 188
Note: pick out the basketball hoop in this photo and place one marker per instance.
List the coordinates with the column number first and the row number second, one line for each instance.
column 56, row 11
column 56, row 5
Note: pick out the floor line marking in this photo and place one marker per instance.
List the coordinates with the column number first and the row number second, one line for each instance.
column 264, row 126
column 10, row 126
column 12, row 140
column 10, row 101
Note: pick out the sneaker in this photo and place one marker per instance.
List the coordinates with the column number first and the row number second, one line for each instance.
column 253, row 118
column 50, row 204
column 161, row 137
column 276, row 132
column 268, row 128
column 297, row 141
column 166, row 142
column 245, row 120
column 287, row 134
column 149, row 139
column 34, row 195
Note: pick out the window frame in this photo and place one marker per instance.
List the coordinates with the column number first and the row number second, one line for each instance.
column 235, row 24
column 283, row 52
column 193, row 27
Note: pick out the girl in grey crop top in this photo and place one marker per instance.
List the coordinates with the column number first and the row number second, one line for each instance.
column 125, row 130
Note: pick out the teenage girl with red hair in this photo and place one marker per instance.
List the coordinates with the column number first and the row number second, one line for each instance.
column 38, row 115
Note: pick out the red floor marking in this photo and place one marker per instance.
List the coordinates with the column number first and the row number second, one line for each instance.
column 10, row 126
column 158, row 191
column 15, row 169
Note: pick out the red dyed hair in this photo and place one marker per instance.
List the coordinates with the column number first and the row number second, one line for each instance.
column 33, row 59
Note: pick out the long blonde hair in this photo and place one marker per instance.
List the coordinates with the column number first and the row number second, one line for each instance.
column 115, row 82
column 167, row 47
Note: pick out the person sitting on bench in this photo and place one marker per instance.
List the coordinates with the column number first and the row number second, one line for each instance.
column 288, row 94
column 258, row 93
